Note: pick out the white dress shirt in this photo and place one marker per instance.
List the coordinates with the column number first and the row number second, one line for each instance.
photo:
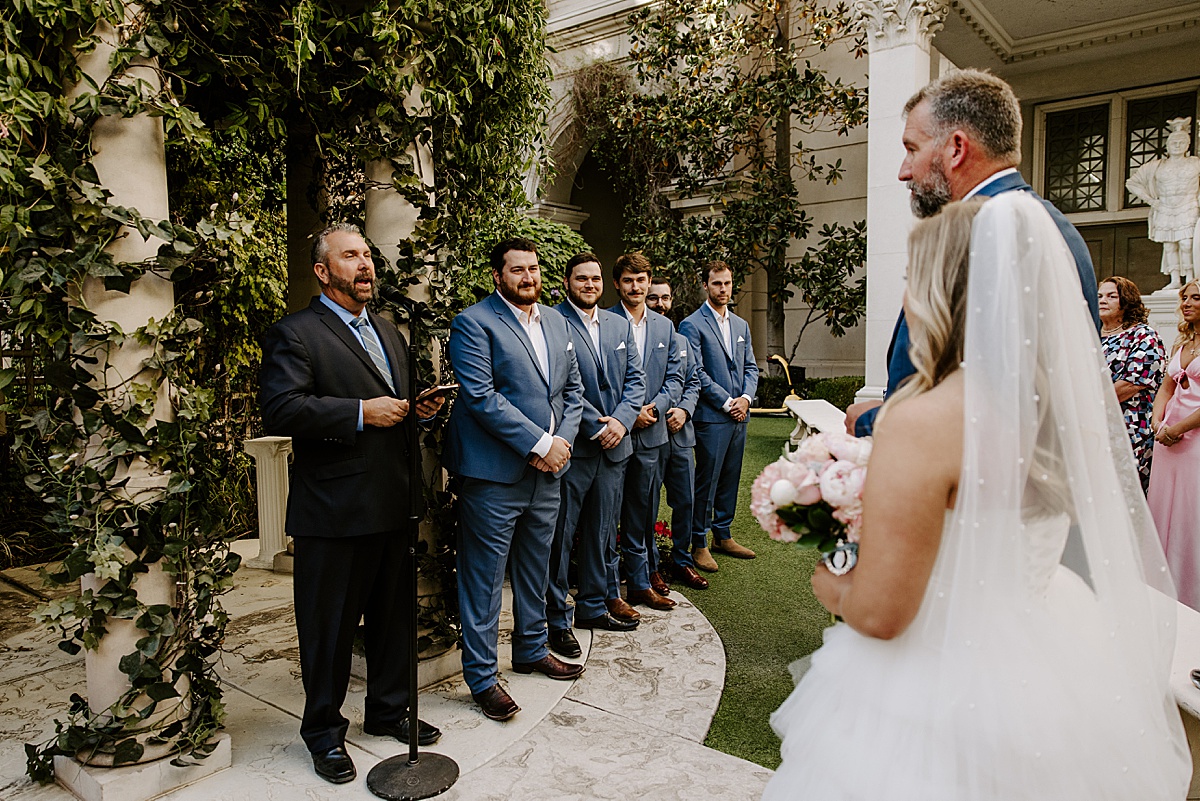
column 723, row 326
column 591, row 321
column 639, row 334
column 531, row 322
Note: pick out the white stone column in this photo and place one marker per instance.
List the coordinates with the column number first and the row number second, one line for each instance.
column 270, row 456
column 899, row 36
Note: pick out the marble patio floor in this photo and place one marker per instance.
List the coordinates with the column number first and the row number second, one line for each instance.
column 632, row 726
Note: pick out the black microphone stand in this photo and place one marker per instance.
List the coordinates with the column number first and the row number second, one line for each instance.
column 416, row 776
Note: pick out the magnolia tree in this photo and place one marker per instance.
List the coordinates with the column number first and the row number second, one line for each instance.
column 725, row 93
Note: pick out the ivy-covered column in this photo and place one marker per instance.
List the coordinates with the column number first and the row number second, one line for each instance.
column 900, row 36
column 130, row 162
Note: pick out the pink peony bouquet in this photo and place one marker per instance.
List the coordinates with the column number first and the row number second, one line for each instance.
column 813, row 494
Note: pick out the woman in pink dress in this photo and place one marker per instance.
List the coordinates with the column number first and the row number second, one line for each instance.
column 1175, row 477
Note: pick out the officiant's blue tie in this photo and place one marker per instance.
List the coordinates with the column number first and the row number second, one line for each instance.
column 373, row 350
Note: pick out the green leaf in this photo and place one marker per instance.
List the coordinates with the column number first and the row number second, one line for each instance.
column 127, row 751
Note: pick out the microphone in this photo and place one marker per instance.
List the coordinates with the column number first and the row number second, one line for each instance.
column 395, row 295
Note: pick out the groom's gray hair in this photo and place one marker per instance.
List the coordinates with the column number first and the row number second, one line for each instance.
column 979, row 103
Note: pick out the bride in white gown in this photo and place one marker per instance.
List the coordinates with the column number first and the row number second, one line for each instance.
column 972, row 664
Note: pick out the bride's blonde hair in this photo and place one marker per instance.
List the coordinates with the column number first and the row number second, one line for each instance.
column 935, row 299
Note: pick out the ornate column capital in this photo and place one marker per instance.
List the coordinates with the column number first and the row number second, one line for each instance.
column 888, row 23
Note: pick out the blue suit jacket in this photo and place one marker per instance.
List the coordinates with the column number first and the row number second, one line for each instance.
column 504, row 403
column 663, row 370
column 686, row 436
column 722, row 375
column 613, row 384
column 900, row 367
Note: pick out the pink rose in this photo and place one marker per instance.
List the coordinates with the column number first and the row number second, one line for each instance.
column 842, row 482
column 811, row 451
column 849, row 449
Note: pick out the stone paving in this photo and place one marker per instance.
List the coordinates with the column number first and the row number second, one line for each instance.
column 631, row 727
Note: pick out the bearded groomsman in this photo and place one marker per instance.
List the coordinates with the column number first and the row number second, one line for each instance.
column 508, row 443
column 613, row 389
column 659, row 357
column 728, row 380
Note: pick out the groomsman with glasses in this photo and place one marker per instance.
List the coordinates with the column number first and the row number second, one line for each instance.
column 679, row 476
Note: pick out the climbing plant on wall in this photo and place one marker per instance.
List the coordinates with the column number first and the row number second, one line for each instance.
column 467, row 79
column 717, row 113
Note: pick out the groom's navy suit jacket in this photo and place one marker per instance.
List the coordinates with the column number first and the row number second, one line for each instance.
column 900, row 367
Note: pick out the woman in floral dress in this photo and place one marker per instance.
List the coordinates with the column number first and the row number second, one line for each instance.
column 1135, row 354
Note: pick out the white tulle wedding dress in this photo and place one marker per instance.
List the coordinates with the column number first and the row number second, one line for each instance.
column 1026, row 674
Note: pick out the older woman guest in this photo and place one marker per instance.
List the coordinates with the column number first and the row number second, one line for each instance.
column 1135, row 358
column 1173, row 497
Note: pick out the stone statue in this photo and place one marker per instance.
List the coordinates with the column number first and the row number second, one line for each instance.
column 1172, row 188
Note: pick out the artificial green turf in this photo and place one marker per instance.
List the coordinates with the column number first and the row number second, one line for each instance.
column 764, row 611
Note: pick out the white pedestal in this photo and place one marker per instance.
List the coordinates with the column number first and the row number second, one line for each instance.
column 1164, row 314
column 271, row 470
column 138, row 782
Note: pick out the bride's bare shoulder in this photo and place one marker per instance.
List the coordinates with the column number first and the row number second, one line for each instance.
column 931, row 422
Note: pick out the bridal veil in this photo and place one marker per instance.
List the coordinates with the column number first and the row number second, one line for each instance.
column 1037, row 667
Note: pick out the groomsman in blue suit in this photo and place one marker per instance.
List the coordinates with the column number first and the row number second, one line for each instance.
column 962, row 138
column 508, row 443
column 728, row 381
column 679, row 475
column 660, row 362
column 613, row 389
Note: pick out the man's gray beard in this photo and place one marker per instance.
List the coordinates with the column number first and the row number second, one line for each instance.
column 928, row 200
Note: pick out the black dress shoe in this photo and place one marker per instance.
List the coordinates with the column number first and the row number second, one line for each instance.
column 427, row 733
column 551, row 666
column 563, row 643
column 495, row 703
column 606, row 622
column 334, row 765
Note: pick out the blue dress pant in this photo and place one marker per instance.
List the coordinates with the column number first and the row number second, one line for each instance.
column 503, row 524
column 591, row 501
column 719, row 448
column 639, row 513
column 336, row 582
column 679, row 477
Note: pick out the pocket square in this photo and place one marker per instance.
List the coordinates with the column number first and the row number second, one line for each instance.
column 741, row 339
column 621, row 346
column 570, row 346
column 661, row 345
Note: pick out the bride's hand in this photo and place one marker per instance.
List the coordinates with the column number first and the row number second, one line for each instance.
column 830, row 589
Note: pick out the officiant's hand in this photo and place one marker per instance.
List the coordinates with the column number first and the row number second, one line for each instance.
column 856, row 410
column 830, row 589
column 430, row 406
column 384, row 412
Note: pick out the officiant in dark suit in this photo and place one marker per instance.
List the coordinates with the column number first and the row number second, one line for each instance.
column 334, row 378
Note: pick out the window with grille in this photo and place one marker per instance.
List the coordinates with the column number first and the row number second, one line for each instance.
column 1076, row 158
column 1146, row 131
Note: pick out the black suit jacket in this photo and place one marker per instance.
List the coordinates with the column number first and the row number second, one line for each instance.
column 314, row 373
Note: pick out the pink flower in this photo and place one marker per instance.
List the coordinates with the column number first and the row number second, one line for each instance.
column 842, row 482
column 848, row 449
column 851, row 517
column 811, row 451
column 781, row 480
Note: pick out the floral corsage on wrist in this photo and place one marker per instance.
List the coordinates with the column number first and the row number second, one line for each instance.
column 813, row 496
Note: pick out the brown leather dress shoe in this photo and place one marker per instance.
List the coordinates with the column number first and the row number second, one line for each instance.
column 495, row 703
column 688, row 577
column 550, row 666
column 658, row 584
column 731, row 548
column 704, row 560
column 651, row 599
column 618, row 608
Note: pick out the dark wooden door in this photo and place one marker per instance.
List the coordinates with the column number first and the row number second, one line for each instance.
column 1125, row 249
